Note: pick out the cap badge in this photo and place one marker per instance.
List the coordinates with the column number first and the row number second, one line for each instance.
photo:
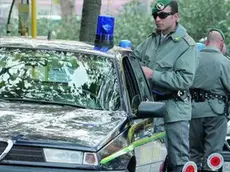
column 160, row 6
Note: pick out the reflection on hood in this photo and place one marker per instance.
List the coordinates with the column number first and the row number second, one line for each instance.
column 58, row 123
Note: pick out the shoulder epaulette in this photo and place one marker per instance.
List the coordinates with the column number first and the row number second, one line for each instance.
column 189, row 40
column 152, row 34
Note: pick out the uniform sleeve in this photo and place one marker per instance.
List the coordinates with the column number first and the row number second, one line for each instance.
column 139, row 52
column 225, row 74
column 181, row 78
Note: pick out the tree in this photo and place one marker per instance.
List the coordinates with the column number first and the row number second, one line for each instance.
column 90, row 12
column 200, row 15
column 67, row 9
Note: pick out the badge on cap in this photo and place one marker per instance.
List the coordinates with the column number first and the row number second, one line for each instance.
column 160, row 6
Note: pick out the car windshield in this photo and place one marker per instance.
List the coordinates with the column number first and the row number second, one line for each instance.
column 80, row 79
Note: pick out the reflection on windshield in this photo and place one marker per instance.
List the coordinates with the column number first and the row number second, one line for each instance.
column 80, row 79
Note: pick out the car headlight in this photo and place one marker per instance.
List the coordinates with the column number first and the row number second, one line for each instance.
column 69, row 156
column 63, row 156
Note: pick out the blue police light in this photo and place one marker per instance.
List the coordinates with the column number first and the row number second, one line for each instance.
column 104, row 35
column 125, row 44
column 200, row 46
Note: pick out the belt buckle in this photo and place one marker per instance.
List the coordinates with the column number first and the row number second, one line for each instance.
column 182, row 96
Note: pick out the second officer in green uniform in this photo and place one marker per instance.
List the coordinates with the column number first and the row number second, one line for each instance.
column 209, row 100
column 169, row 58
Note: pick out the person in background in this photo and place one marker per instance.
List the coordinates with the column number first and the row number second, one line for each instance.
column 211, row 86
column 200, row 46
column 169, row 58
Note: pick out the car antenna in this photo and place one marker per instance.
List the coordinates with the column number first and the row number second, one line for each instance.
column 1, row 17
column 50, row 22
column 9, row 17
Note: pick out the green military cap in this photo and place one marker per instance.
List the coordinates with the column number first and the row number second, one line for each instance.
column 218, row 30
column 159, row 5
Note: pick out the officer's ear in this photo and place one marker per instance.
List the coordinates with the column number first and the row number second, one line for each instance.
column 176, row 17
column 221, row 46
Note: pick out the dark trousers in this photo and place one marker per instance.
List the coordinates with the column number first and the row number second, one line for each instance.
column 177, row 143
column 206, row 136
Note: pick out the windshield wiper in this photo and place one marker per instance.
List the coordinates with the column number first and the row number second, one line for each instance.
column 43, row 102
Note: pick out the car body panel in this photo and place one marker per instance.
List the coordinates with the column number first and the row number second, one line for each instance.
column 59, row 124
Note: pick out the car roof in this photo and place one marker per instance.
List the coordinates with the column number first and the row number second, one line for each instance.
column 62, row 45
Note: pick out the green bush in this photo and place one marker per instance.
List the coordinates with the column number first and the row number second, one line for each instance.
column 133, row 24
column 200, row 15
column 59, row 29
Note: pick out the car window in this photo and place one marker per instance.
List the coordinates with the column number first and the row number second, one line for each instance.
column 131, row 81
column 142, row 81
column 55, row 76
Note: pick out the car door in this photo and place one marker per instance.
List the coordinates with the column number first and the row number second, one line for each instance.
column 150, row 155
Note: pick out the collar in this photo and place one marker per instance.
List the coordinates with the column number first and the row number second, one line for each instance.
column 176, row 35
column 211, row 49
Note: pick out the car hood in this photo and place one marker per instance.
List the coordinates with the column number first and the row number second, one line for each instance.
column 58, row 123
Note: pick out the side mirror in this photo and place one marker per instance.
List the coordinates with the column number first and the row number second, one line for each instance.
column 151, row 110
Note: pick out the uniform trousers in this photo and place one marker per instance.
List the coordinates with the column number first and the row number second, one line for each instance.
column 206, row 136
column 177, row 143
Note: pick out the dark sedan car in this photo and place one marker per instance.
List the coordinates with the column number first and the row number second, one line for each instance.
column 68, row 108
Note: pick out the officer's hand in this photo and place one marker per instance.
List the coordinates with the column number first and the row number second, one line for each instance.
column 148, row 72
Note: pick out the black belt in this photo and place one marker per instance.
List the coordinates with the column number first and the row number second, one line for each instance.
column 177, row 95
column 164, row 97
column 199, row 95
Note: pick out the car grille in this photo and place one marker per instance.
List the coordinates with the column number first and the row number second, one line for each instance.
column 23, row 153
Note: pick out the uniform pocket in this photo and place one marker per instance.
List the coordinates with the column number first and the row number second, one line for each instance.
column 164, row 66
column 217, row 106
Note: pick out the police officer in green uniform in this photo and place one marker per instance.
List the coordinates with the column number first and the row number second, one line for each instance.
column 169, row 59
column 209, row 97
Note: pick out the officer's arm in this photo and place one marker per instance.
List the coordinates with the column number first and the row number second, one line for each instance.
column 181, row 78
column 139, row 52
column 225, row 74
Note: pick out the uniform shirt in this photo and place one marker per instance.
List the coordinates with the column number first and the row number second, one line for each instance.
column 174, row 63
column 213, row 74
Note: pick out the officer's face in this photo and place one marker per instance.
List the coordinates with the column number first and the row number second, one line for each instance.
column 166, row 21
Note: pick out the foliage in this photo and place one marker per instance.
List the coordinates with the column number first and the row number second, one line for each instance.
column 59, row 29
column 13, row 27
column 200, row 15
column 133, row 23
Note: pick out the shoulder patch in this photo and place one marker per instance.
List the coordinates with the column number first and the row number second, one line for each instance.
column 152, row 34
column 189, row 40
column 176, row 38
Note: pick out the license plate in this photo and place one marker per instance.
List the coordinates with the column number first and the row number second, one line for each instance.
column 226, row 167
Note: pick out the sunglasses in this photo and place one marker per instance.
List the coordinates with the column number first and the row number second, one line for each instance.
column 161, row 15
